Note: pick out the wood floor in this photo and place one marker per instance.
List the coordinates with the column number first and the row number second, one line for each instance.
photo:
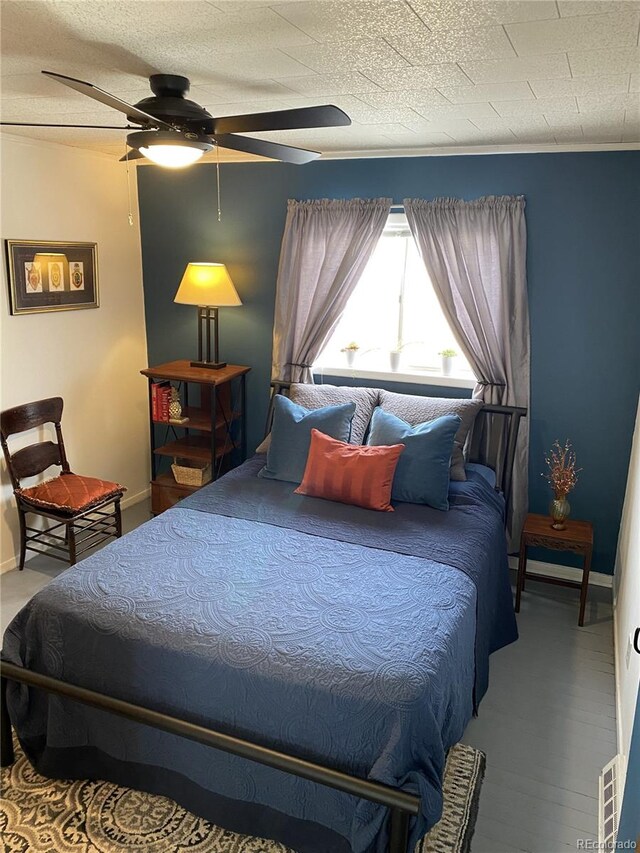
column 547, row 723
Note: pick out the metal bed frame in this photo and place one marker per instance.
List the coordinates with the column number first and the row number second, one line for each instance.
column 402, row 805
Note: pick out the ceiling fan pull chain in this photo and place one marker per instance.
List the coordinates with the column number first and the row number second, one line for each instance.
column 126, row 155
column 218, row 181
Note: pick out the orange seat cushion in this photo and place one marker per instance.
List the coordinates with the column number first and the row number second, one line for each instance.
column 71, row 493
column 350, row 474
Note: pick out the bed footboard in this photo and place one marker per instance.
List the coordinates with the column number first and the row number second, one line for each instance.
column 401, row 804
column 6, row 741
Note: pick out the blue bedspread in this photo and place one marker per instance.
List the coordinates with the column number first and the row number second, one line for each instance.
column 345, row 636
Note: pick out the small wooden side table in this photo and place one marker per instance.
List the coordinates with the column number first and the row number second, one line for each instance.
column 576, row 537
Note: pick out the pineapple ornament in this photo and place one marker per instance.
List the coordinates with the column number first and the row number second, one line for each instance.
column 175, row 406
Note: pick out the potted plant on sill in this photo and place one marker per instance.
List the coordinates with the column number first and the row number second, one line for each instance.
column 447, row 356
column 350, row 352
column 396, row 354
column 394, row 359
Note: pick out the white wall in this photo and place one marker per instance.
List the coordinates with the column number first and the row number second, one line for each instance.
column 627, row 599
column 91, row 357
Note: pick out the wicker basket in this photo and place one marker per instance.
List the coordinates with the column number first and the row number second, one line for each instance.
column 189, row 473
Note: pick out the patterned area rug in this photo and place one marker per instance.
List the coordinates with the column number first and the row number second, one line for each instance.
column 39, row 815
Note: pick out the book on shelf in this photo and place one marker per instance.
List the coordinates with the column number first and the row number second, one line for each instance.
column 160, row 399
column 165, row 399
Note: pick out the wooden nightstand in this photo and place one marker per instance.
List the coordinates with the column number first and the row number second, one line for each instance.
column 577, row 537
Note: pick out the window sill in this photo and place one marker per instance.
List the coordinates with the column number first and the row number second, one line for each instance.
column 422, row 378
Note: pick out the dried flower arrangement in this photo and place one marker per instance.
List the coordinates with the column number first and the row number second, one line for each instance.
column 562, row 474
column 352, row 347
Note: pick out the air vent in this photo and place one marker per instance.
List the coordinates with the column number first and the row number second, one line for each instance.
column 609, row 806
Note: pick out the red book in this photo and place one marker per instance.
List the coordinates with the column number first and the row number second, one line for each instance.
column 165, row 399
column 160, row 399
column 154, row 401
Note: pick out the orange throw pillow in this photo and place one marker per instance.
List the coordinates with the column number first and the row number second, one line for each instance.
column 350, row 474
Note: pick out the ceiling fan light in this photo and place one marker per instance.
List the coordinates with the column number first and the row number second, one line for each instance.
column 172, row 156
column 171, row 149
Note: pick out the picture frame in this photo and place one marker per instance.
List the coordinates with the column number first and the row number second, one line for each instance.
column 51, row 276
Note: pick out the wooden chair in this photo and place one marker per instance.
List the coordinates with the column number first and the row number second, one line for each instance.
column 78, row 504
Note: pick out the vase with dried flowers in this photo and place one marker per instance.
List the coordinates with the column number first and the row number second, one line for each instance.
column 563, row 476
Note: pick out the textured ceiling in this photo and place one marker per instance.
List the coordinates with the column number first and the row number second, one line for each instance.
column 414, row 76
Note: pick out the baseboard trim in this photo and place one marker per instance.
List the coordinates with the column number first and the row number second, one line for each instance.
column 131, row 500
column 8, row 565
column 617, row 666
column 136, row 499
column 567, row 573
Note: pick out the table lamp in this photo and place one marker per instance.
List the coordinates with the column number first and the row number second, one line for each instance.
column 208, row 286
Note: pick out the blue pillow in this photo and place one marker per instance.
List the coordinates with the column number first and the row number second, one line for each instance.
column 422, row 475
column 291, row 435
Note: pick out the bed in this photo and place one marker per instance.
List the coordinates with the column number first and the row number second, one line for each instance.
column 331, row 654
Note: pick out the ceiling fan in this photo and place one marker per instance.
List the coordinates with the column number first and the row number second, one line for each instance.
column 173, row 131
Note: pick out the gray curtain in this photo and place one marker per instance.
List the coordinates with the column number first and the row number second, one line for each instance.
column 475, row 255
column 325, row 248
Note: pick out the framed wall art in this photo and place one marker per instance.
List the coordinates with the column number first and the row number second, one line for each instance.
column 46, row 276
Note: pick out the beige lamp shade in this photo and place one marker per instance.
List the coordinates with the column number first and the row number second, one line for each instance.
column 207, row 284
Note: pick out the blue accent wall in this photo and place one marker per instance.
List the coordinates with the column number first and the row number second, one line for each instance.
column 583, row 263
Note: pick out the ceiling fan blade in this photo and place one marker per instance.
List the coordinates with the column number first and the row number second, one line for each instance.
column 273, row 150
column 132, row 113
column 89, row 126
column 323, row 116
column 132, row 155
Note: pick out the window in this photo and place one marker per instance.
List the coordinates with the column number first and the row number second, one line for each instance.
column 394, row 307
